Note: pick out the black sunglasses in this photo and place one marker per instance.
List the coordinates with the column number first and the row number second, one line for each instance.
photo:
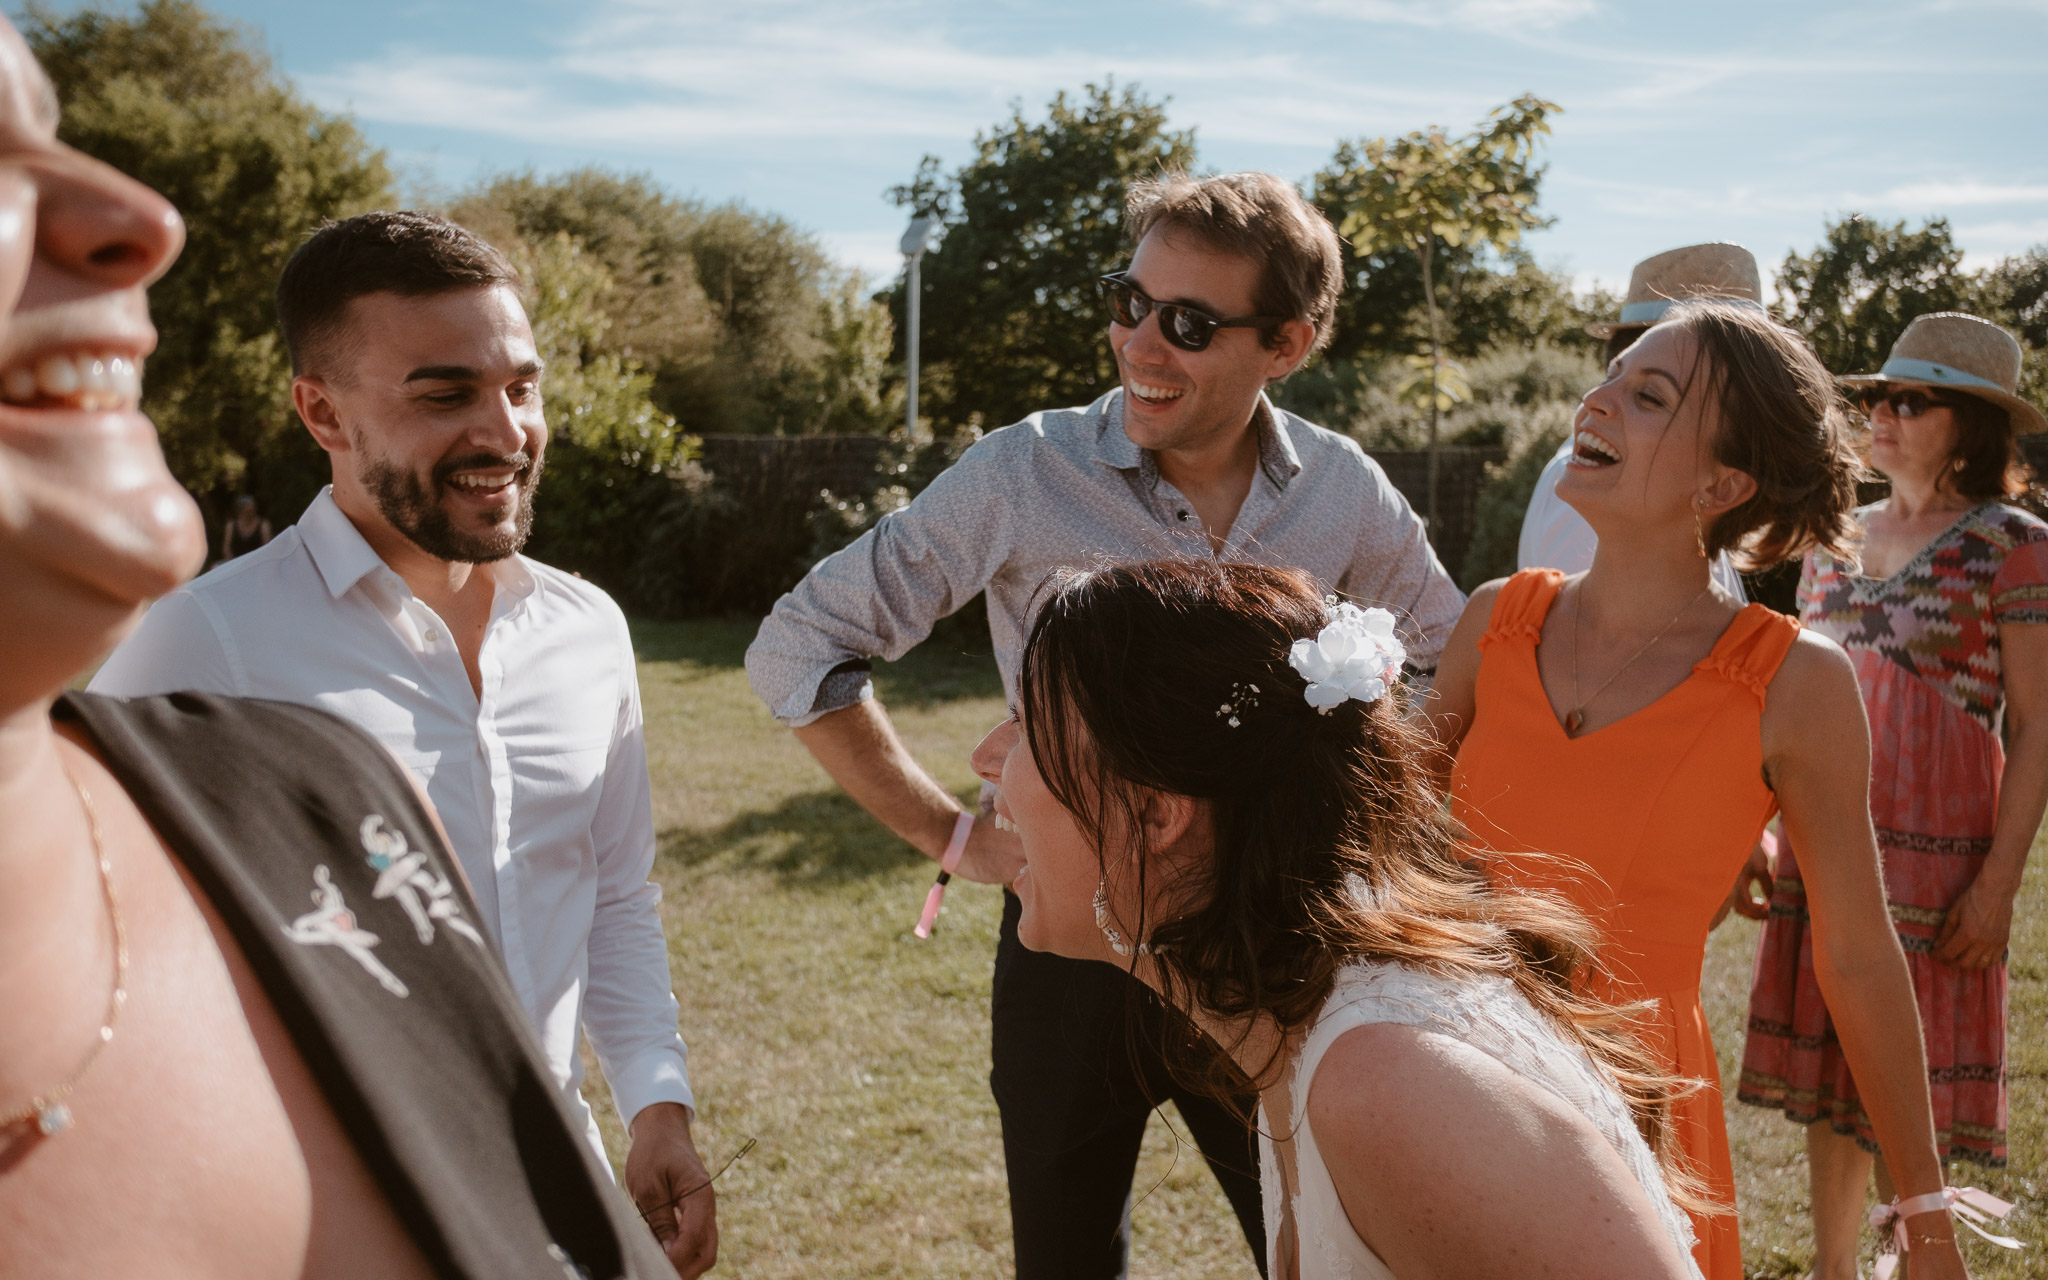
column 1183, row 326
column 1907, row 402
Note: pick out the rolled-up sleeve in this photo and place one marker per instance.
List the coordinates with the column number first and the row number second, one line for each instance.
column 1394, row 566
column 881, row 595
column 630, row 1012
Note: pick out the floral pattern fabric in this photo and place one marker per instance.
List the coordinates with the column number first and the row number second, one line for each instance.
column 1925, row 646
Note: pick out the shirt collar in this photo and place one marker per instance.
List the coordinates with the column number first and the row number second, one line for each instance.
column 344, row 557
column 341, row 553
column 1277, row 456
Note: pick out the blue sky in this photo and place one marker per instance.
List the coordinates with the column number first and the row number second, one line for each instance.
column 1729, row 120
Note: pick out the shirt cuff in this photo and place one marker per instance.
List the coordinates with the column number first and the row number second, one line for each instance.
column 844, row 685
column 658, row 1075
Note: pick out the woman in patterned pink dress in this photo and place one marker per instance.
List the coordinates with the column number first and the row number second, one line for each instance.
column 1946, row 621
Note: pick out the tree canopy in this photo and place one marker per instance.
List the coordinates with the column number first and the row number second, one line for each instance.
column 1012, row 323
column 1862, row 285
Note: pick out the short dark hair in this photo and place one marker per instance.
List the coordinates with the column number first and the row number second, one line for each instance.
column 397, row 251
column 1255, row 216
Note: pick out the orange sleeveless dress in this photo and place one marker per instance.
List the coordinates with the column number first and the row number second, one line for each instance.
column 1648, row 820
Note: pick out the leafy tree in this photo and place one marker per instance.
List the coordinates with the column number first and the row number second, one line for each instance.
column 1011, row 318
column 2015, row 293
column 740, row 319
column 1858, row 290
column 608, row 445
column 191, row 106
column 1478, row 191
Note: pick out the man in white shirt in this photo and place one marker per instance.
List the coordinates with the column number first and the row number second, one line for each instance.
column 400, row 602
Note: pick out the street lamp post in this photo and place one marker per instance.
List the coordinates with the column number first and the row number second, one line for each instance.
column 923, row 230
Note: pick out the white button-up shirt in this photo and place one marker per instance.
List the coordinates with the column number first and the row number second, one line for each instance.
column 541, row 781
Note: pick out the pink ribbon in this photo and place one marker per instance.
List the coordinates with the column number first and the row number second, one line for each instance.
column 948, row 861
column 1969, row 1204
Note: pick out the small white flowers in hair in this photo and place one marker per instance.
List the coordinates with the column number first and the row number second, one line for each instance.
column 1356, row 655
column 1243, row 697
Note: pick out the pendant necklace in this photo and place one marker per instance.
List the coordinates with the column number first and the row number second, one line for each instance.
column 48, row 1110
column 1576, row 718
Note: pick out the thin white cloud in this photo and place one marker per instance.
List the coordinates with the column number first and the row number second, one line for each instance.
column 1481, row 15
column 1962, row 194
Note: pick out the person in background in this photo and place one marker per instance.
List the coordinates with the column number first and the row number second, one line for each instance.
column 1219, row 790
column 1946, row 622
column 1231, row 286
column 232, row 1043
column 1622, row 736
column 400, row 602
column 245, row 531
column 1556, row 537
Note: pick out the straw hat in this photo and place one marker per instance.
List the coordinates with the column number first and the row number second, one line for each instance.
column 1699, row 271
column 1958, row 352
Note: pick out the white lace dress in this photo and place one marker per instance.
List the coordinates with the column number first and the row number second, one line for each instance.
column 1491, row 1016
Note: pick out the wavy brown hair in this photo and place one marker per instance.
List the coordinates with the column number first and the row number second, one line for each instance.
column 1784, row 423
column 1331, row 842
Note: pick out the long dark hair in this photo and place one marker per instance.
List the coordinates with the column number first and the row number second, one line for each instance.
column 1331, row 841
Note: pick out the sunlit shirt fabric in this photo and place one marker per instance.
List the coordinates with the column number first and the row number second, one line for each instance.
column 1066, row 488
column 541, row 782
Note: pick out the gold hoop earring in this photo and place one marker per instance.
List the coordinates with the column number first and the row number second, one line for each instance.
column 1958, row 466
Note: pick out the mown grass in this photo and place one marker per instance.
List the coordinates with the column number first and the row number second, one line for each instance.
column 857, row 1056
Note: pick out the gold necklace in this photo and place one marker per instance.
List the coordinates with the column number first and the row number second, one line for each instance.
column 48, row 1110
column 1576, row 718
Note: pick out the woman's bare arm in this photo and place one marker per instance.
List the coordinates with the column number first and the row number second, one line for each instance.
column 1447, row 709
column 1816, row 745
column 1452, row 1167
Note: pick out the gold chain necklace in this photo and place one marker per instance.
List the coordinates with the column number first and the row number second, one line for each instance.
column 1576, row 718
column 48, row 1110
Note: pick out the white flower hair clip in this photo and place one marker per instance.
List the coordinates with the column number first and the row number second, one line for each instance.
column 1356, row 655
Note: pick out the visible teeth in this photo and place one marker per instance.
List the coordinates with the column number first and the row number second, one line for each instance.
column 1004, row 824
column 1151, row 392
column 1588, row 445
column 85, row 381
column 482, row 480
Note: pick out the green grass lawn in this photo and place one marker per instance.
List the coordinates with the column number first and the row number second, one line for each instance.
column 857, row 1056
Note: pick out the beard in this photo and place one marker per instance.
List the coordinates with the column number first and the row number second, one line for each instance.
column 412, row 506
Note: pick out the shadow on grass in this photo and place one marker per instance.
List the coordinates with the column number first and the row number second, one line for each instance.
column 944, row 668
column 819, row 839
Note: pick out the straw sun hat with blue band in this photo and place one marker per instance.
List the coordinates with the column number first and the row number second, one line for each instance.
column 1961, row 353
column 1696, row 273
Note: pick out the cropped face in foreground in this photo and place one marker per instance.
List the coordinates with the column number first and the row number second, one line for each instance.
column 1057, row 886
column 92, row 524
column 431, row 409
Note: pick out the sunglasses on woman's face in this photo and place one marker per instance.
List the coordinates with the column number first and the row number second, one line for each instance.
column 1183, row 326
column 1907, row 403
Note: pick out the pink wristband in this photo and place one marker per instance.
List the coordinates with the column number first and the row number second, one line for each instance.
column 963, row 826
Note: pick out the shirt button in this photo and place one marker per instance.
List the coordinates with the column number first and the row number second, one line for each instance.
column 433, row 637
column 1182, row 514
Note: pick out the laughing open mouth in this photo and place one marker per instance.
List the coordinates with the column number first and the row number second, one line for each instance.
column 1589, row 450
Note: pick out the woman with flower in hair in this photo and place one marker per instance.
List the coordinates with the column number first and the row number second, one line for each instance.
column 1637, row 729
column 1216, row 788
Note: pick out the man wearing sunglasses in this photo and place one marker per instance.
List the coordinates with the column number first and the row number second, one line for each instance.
column 1231, row 287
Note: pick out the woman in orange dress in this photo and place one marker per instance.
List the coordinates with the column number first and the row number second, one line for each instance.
column 1621, row 737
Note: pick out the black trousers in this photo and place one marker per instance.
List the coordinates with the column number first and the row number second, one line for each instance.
column 1074, row 1099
